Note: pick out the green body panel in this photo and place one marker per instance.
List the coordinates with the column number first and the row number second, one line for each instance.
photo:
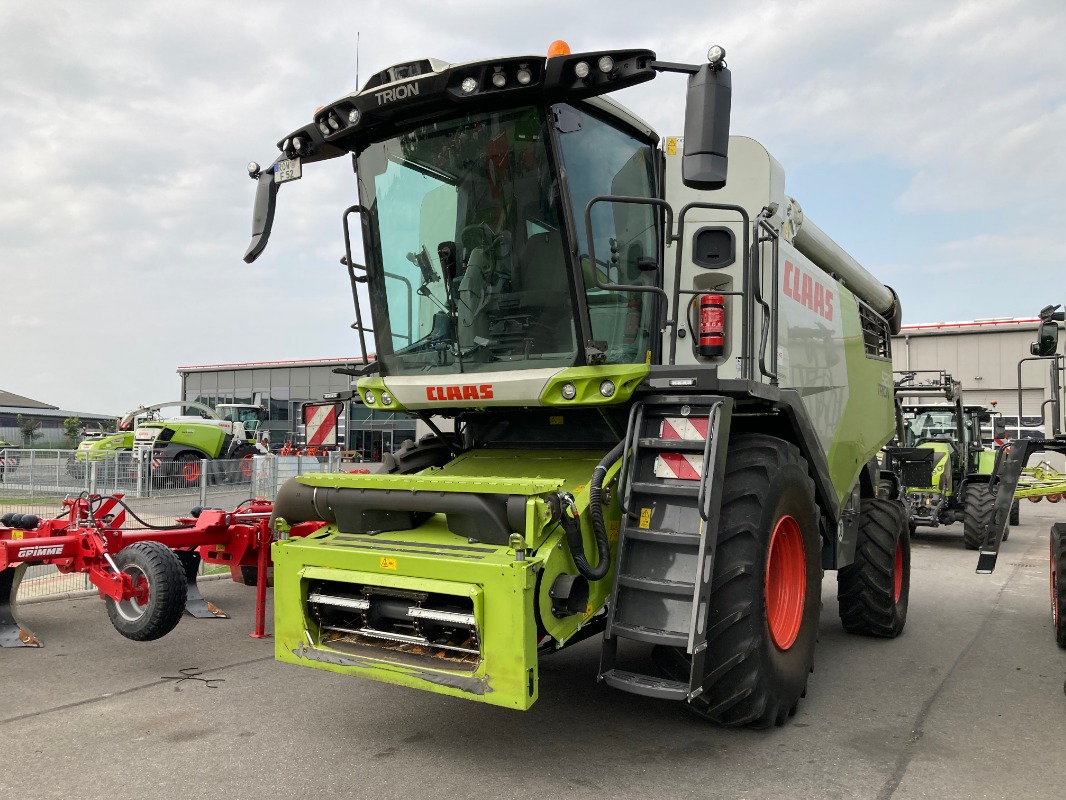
column 208, row 439
column 510, row 595
column 98, row 449
column 868, row 419
column 587, row 381
column 986, row 460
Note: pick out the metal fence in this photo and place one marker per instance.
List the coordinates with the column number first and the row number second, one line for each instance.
column 37, row 481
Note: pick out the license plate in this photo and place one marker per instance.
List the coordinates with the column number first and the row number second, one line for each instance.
column 288, row 169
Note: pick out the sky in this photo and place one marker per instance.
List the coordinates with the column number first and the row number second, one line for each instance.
column 927, row 137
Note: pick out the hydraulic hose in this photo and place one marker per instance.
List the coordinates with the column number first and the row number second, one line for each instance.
column 599, row 529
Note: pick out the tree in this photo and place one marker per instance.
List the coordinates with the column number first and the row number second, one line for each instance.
column 72, row 427
column 30, row 430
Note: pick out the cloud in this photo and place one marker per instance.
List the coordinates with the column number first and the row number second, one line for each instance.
column 127, row 128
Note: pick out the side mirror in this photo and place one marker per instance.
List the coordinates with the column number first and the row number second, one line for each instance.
column 707, row 105
column 1047, row 339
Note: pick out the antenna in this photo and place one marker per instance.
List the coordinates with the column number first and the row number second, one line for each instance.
column 357, row 61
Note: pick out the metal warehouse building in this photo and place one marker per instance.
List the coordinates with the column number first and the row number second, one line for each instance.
column 283, row 387
column 984, row 356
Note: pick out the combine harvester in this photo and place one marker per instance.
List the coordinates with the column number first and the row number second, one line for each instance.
column 666, row 391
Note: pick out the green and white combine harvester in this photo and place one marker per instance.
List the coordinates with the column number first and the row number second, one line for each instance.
column 656, row 395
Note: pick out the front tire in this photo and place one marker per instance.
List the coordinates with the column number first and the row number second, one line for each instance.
column 1058, row 582
column 159, row 578
column 874, row 590
column 766, row 588
column 977, row 511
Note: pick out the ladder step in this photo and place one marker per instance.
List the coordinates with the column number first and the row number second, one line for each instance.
column 683, row 588
column 647, row 685
column 673, row 445
column 669, row 538
column 686, row 489
column 650, row 635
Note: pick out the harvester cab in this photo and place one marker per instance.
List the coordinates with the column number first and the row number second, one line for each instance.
column 666, row 390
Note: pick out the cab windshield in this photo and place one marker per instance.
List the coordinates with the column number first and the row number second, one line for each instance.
column 465, row 256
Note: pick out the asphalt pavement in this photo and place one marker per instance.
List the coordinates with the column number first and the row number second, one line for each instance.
column 968, row 702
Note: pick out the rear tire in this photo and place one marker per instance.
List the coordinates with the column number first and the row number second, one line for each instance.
column 1058, row 582
column 148, row 618
column 874, row 590
column 766, row 589
column 186, row 470
column 977, row 511
column 1015, row 514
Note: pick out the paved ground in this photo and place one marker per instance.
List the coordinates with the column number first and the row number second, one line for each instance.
column 967, row 703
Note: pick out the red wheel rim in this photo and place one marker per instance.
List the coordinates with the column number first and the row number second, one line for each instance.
column 786, row 582
column 246, row 466
column 1054, row 498
column 897, row 575
column 190, row 471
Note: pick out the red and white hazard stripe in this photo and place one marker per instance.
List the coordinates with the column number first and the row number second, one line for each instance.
column 321, row 422
column 110, row 512
column 686, row 466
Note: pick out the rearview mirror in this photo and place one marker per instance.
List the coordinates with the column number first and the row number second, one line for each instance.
column 707, row 105
column 1047, row 339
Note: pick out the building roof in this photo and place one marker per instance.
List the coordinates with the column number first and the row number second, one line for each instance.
column 978, row 324
column 52, row 411
column 17, row 400
column 314, row 362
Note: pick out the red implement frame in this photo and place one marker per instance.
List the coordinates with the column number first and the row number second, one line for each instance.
column 79, row 542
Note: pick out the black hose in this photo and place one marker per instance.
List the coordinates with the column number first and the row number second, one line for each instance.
column 603, row 546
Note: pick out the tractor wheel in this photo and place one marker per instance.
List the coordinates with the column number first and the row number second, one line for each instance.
column 978, row 503
column 159, row 580
column 187, row 470
column 1054, row 498
column 873, row 591
column 244, row 464
column 886, row 488
column 766, row 589
column 1058, row 581
column 1035, row 499
column 1015, row 514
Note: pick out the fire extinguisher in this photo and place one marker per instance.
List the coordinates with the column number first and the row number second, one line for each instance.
column 712, row 325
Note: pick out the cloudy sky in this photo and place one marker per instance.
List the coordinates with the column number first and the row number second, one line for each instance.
column 928, row 137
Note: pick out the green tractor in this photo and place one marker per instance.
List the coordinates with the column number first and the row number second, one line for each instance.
column 654, row 397
column 945, row 435
column 177, row 445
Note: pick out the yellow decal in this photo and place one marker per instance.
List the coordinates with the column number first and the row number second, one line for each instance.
column 16, row 534
column 612, row 532
column 647, row 357
column 387, row 563
column 645, row 518
column 671, row 145
column 555, row 420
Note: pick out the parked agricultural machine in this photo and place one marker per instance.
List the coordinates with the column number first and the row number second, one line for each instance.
column 941, row 463
column 667, row 390
column 146, row 575
column 176, row 446
column 1012, row 476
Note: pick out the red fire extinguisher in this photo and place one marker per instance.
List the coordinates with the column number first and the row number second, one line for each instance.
column 712, row 325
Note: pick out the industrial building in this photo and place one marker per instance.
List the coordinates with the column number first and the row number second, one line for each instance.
column 283, row 387
column 51, row 431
